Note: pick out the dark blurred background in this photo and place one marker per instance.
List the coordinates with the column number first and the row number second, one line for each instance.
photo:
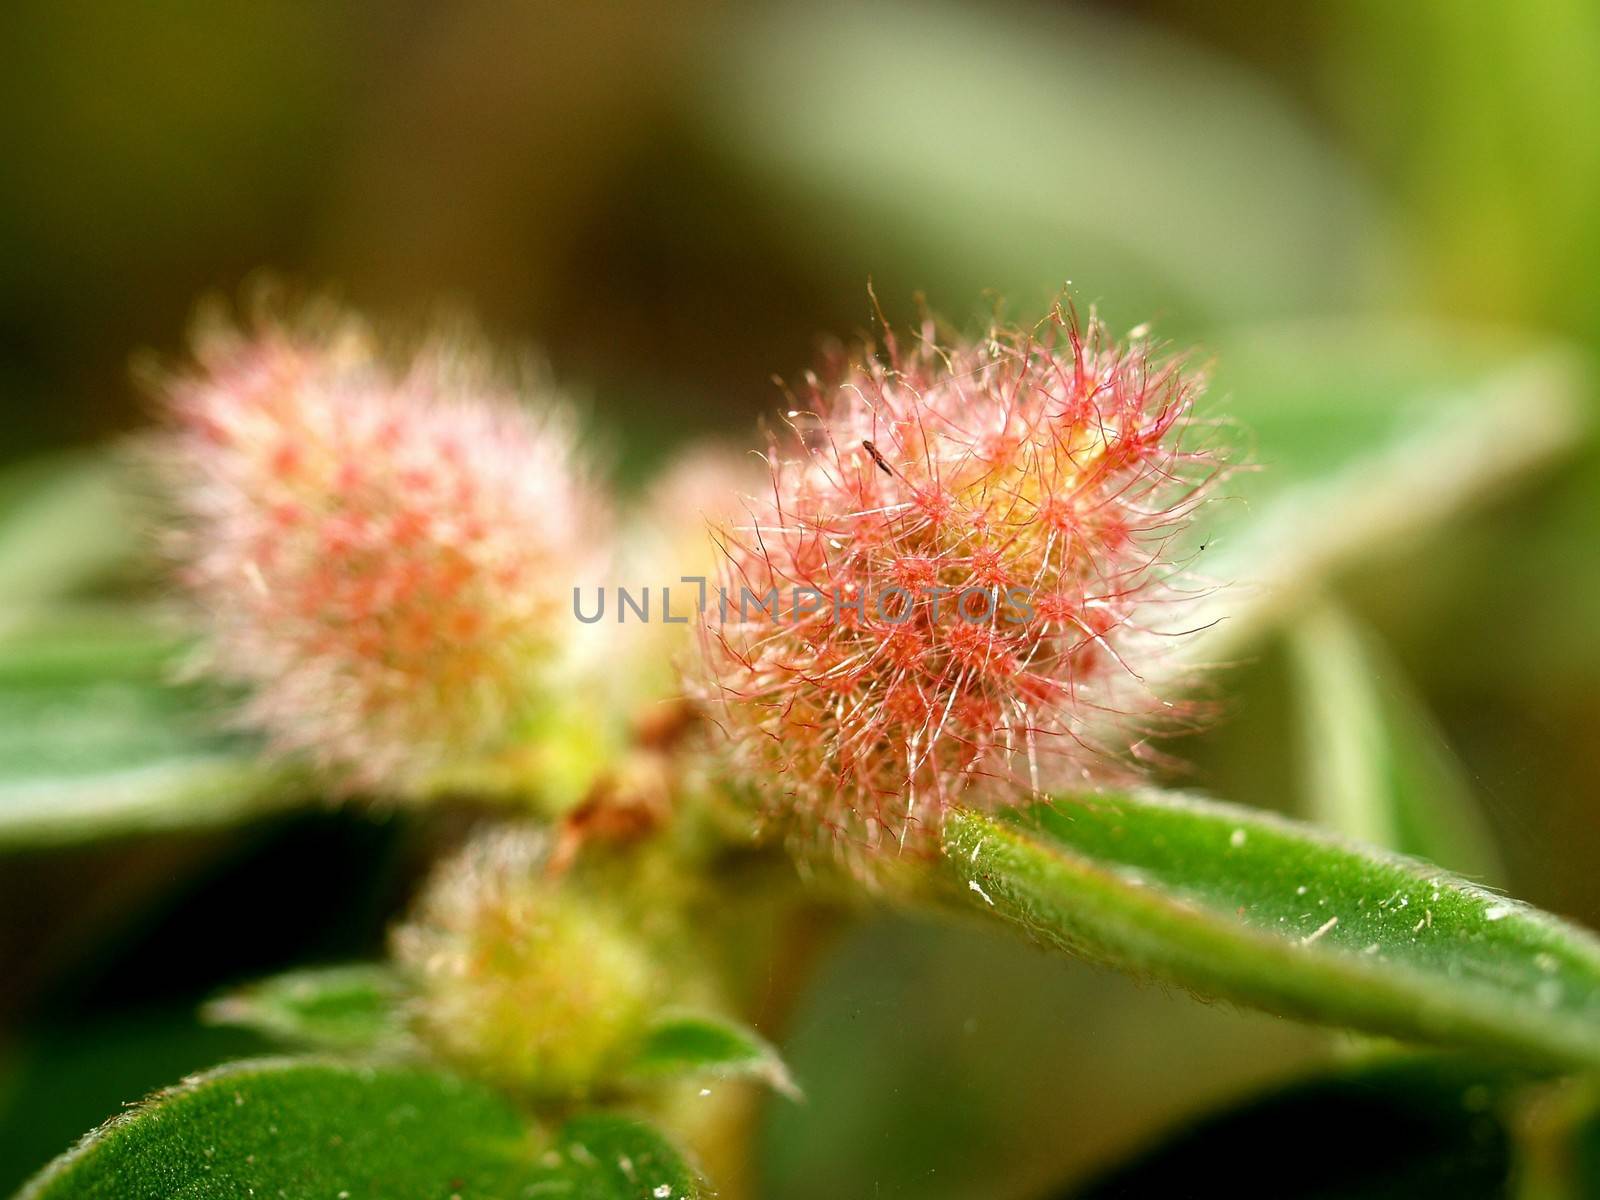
column 673, row 201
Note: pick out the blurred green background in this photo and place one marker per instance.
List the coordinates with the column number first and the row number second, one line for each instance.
column 673, row 201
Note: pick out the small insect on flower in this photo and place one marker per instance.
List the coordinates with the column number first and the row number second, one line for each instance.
column 964, row 561
column 380, row 549
column 524, row 978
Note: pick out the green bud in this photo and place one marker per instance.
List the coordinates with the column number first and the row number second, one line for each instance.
column 524, row 979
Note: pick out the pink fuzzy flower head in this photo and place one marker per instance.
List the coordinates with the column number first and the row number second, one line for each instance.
column 973, row 551
column 381, row 551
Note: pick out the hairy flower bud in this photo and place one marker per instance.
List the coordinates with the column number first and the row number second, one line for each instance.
column 951, row 587
column 524, row 979
column 382, row 551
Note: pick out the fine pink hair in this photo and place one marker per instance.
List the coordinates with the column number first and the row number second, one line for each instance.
column 380, row 546
column 1053, row 472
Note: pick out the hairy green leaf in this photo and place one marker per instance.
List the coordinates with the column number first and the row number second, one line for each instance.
column 61, row 1079
column 287, row 1127
column 688, row 1044
column 1243, row 905
column 357, row 1007
column 600, row 1156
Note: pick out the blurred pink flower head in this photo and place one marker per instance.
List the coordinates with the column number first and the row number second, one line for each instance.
column 975, row 555
column 381, row 549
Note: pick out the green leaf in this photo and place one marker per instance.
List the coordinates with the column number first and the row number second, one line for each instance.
column 689, row 1044
column 953, row 149
column 600, row 1156
column 63, row 524
column 1245, row 906
column 1376, row 767
column 58, row 1080
column 1428, row 1126
column 97, row 739
column 311, row 1128
column 1361, row 438
column 358, row 1007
